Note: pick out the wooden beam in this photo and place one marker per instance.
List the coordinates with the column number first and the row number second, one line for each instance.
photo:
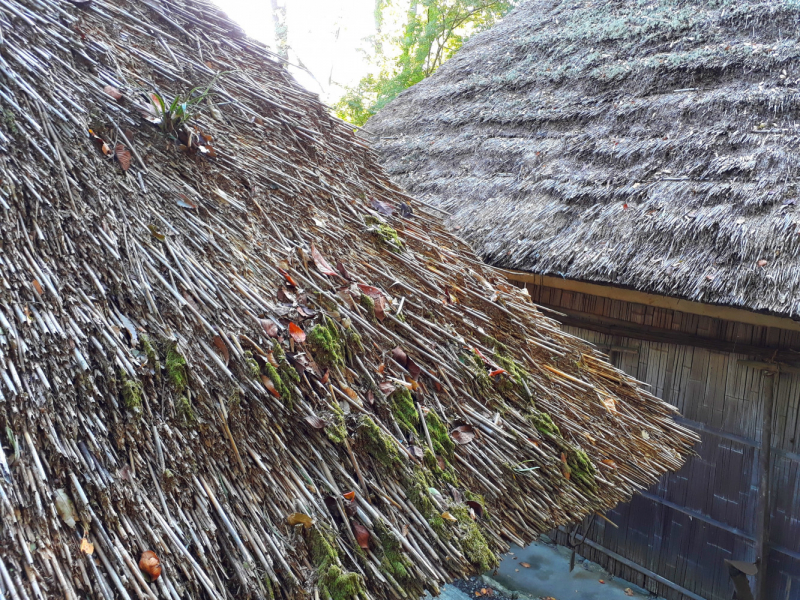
column 636, row 567
column 649, row 333
column 763, row 511
column 728, row 313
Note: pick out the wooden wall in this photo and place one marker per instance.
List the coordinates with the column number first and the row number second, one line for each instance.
column 683, row 528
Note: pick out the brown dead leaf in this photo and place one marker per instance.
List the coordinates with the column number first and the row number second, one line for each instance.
column 298, row 335
column 113, row 92
column 349, row 496
column 343, row 271
column 351, row 393
column 628, row 592
column 321, row 263
column 87, row 547
column 297, row 518
column 475, row 506
column 417, row 452
column 362, row 535
column 270, row 327
column 223, row 349
column 289, row 279
column 315, row 422
column 405, row 361
column 526, row 565
column 387, row 387
column 270, row 386
column 448, row 517
column 609, row 462
column 123, row 156
column 463, row 434
column 38, row 287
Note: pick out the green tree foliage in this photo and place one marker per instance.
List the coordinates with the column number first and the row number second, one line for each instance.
column 432, row 32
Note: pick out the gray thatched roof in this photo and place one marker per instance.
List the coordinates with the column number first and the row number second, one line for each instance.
column 643, row 144
column 230, row 345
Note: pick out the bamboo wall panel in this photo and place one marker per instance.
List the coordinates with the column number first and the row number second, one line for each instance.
column 684, row 527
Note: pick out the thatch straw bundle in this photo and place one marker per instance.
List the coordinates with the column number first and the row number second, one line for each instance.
column 237, row 362
column 649, row 145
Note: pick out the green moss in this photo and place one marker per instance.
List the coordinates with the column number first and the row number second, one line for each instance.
column 176, row 369
column 543, row 423
column 369, row 304
column 131, row 393
column 388, row 237
column 150, row 352
column 287, row 371
column 252, row 365
column 184, row 407
column 439, row 434
column 334, row 582
column 285, row 393
column 394, row 563
column 354, row 341
column 478, row 372
column 337, row 431
column 404, row 410
column 324, row 342
column 416, row 488
column 10, row 120
column 581, row 467
column 377, row 444
column 472, row 542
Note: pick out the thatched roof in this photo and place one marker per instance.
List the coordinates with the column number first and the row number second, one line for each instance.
column 642, row 144
column 234, row 348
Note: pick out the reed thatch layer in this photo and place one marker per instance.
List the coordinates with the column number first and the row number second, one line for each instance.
column 237, row 362
column 642, row 144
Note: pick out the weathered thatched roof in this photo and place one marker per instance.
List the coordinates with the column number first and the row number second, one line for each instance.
column 233, row 344
column 642, row 144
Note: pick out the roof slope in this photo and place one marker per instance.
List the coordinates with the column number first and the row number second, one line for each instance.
column 219, row 341
column 642, row 144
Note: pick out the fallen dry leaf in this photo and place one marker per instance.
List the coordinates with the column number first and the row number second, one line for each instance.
column 349, row 496
column 87, row 547
column 321, row 263
column 526, row 565
column 448, row 517
column 463, row 434
column 315, row 422
column 405, row 361
column 270, row 386
column 298, row 335
column 38, row 287
column 289, row 279
column 270, row 327
column 362, row 535
column 762, row 263
column 297, row 518
column 223, row 349
column 475, row 506
column 123, row 156
column 628, row 592
column 113, row 92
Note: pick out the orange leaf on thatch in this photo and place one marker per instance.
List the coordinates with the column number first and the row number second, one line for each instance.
column 362, row 535
column 38, row 287
column 298, row 335
column 123, row 156
column 113, row 92
column 322, row 264
column 349, row 496
column 463, row 434
column 222, row 348
column 270, row 386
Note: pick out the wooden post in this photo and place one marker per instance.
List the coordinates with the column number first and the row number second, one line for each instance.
column 763, row 511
